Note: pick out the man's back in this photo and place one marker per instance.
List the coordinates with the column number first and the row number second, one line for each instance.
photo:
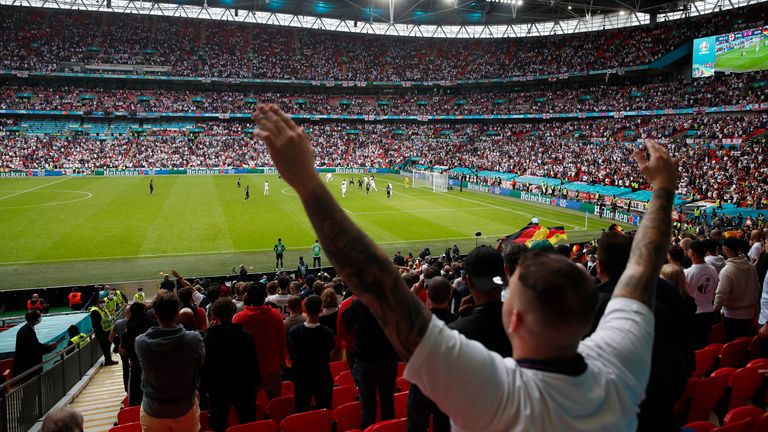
column 229, row 348
column 609, row 379
column 268, row 331
column 484, row 325
column 702, row 281
column 171, row 360
column 738, row 289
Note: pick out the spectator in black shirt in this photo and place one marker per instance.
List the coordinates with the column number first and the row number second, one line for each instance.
column 671, row 359
column 229, row 348
column 485, row 279
column 29, row 351
column 420, row 407
column 167, row 283
column 399, row 260
column 137, row 325
column 310, row 345
column 375, row 368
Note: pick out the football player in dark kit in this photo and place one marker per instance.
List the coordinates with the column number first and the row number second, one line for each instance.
column 247, row 192
column 151, row 187
column 238, row 182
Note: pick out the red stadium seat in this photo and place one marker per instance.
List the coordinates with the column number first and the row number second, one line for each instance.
column 348, row 417
column 402, row 385
column 400, row 369
column 128, row 415
column 762, row 362
column 762, row 424
column 344, row 379
column 257, row 426
column 205, row 424
column 727, row 371
column 281, row 407
column 310, row 421
column 745, row 383
column 128, row 427
column 338, row 367
column 343, row 395
column 262, row 403
column 752, row 413
column 397, row 425
column 705, row 361
column 734, row 354
column 286, row 388
column 401, row 405
column 702, row 396
column 700, row 426
column 741, row 426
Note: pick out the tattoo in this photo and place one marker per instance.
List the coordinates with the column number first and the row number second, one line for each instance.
column 370, row 274
column 649, row 250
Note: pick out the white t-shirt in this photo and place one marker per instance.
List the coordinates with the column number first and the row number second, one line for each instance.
column 702, row 280
column 281, row 300
column 481, row 391
column 763, row 318
column 755, row 251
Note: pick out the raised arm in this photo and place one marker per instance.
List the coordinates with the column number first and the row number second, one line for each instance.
column 358, row 260
column 650, row 245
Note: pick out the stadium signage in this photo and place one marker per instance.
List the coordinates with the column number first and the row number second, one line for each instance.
column 15, row 174
column 477, row 187
column 541, row 199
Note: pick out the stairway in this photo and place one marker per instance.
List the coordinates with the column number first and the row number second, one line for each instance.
column 101, row 399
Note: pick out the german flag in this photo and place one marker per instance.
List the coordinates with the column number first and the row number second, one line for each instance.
column 533, row 232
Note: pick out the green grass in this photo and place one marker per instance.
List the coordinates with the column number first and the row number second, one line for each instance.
column 79, row 230
column 732, row 61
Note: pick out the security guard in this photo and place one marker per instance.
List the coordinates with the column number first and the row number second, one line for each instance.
column 140, row 296
column 114, row 303
column 75, row 300
column 697, row 215
column 102, row 325
column 76, row 339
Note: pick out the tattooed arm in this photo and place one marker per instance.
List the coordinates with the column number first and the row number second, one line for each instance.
column 650, row 244
column 361, row 263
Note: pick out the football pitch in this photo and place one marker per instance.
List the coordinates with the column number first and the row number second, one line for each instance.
column 733, row 61
column 87, row 230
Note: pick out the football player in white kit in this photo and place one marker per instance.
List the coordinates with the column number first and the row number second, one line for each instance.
column 266, row 188
column 373, row 184
column 343, row 188
column 328, row 177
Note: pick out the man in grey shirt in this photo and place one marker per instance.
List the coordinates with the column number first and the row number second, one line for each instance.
column 171, row 359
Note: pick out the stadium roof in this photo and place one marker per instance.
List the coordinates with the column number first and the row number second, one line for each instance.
column 419, row 18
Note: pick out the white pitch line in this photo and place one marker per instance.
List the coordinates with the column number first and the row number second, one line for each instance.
column 515, row 211
column 416, row 211
column 177, row 254
column 35, row 188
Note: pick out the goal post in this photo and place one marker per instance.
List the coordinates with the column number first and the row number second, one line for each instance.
column 426, row 179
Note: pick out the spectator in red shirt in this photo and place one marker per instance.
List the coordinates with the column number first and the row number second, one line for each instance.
column 266, row 326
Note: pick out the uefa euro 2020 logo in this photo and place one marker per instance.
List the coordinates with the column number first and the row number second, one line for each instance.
column 704, row 47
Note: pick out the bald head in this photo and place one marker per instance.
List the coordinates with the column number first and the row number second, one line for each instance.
column 187, row 318
column 63, row 420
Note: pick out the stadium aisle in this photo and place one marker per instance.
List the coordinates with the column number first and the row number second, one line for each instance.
column 101, row 399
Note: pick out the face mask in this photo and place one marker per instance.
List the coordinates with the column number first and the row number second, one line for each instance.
column 111, row 297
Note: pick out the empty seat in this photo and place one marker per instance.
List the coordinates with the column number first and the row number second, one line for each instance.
column 699, row 426
column 397, row 425
column 751, row 413
column 128, row 427
column 128, row 415
column 701, row 396
column 337, row 367
column 402, row 385
column 344, row 379
column 280, row 408
column 257, row 426
column 705, row 361
column 734, row 354
column 344, row 395
column 310, row 421
column 745, row 383
column 741, row 426
column 348, row 416
column 401, row 405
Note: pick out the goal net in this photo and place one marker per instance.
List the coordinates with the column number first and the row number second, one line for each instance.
column 432, row 180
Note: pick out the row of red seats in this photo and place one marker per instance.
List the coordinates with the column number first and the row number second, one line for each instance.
column 344, row 418
column 742, row 419
column 732, row 354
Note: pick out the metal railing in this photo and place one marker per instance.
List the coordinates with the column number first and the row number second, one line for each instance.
column 26, row 398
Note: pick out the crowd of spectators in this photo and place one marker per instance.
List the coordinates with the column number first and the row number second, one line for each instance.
column 722, row 90
column 721, row 156
column 40, row 40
